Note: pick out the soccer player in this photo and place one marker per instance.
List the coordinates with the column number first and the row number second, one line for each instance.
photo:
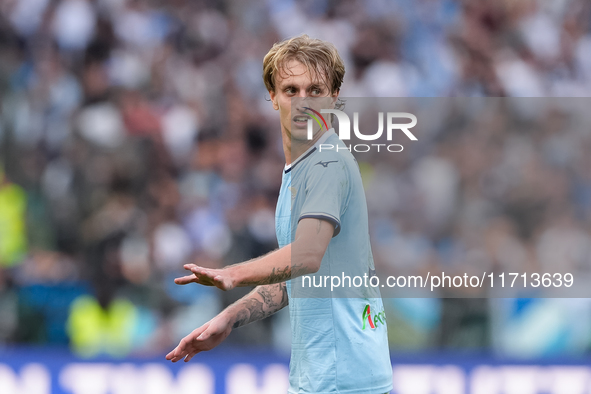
column 339, row 345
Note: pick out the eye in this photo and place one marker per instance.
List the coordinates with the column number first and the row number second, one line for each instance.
column 316, row 91
column 290, row 91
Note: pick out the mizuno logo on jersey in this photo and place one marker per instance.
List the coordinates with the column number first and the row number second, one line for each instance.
column 325, row 163
column 367, row 320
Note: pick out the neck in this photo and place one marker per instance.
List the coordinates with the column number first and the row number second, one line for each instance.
column 295, row 148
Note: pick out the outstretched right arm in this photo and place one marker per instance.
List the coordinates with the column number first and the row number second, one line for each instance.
column 262, row 302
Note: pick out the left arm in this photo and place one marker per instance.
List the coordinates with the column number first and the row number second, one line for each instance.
column 303, row 256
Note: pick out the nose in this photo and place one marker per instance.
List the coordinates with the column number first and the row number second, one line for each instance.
column 299, row 102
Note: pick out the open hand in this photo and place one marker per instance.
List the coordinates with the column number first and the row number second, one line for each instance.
column 219, row 278
column 202, row 339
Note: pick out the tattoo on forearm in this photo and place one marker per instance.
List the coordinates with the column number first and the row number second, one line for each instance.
column 274, row 297
column 241, row 318
column 267, row 295
column 252, row 310
column 280, row 275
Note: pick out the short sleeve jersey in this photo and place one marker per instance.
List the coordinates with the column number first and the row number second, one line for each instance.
column 339, row 345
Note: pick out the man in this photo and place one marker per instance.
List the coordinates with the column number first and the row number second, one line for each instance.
column 339, row 345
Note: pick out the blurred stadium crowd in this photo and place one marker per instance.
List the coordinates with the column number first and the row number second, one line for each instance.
column 137, row 136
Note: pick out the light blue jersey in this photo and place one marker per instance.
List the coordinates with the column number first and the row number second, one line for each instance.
column 339, row 345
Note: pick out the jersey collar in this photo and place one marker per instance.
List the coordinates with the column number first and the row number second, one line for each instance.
column 310, row 150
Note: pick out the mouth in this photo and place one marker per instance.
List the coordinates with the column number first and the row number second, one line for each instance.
column 301, row 118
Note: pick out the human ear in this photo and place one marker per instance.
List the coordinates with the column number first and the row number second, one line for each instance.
column 273, row 97
column 334, row 98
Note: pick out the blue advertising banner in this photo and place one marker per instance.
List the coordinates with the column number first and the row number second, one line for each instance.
column 228, row 371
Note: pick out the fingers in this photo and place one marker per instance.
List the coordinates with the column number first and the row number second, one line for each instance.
column 183, row 280
column 182, row 352
column 203, row 276
column 179, row 353
column 212, row 277
column 175, row 355
column 178, row 358
column 204, row 336
column 206, row 277
column 197, row 273
column 191, row 355
column 190, row 343
column 200, row 271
